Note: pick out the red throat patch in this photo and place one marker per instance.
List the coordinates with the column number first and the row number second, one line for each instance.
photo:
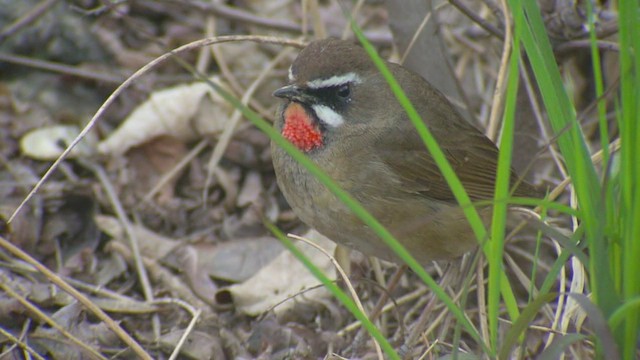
column 299, row 128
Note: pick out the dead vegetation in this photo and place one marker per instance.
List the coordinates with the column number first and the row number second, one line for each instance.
column 152, row 228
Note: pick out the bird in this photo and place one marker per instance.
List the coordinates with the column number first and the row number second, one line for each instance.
column 339, row 110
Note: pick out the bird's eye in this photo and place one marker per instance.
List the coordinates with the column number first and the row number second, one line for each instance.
column 344, row 91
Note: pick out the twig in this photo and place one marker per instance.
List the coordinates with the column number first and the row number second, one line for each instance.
column 382, row 301
column 614, row 146
column 228, row 74
column 20, row 344
column 319, row 29
column 91, row 289
column 354, row 13
column 100, row 9
column 491, row 29
column 54, row 278
column 482, row 296
column 570, row 46
column 166, row 177
column 423, row 319
column 498, row 94
column 537, row 111
column 388, row 307
column 391, row 285
column 187, row 332
column 131, row 235
column 195, row 316
column 220, row 59
column 415, row 36
column 60, row 68
column 124, row 220
column 346, row 280
column 26, row 19
column 148, row 67
column 231, row 13
column 163, row 276
column 44, row 317
column 229, row 130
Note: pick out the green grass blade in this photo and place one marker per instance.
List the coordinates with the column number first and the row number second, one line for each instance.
column 498, row 281
column 599, row 86
column 629, row 172
column 444, row 166
column 354, row 206
column 430, row 142
column 559, row 345
column 336, row 291
column 572, row 146
column 521, row 325
column 623, row 312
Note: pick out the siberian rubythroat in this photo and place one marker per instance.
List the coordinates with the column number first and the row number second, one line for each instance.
column 341, row 112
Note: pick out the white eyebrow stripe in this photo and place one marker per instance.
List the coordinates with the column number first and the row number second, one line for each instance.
column 334, row 81
column 327, row 115
column 291, row 77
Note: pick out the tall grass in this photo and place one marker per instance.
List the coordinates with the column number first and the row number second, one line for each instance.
column 609, row 204
column 608, row 198
column 623, row 237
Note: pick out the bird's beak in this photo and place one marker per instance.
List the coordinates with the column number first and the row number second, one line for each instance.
column 287, row 92
column 292, row 92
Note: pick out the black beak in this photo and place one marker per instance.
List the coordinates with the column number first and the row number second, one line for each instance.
column 287, row 92
column 294, row 93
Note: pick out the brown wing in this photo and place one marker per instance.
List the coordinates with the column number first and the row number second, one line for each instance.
column 472, row 155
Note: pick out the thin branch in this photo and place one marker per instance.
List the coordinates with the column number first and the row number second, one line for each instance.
column 145, row 69
column 26, row 19
column 60, row 68
column 239, row 15
column 570, row 46
column 501, row 81
column 47, row 319
column 489, row 27
column 345, row 278
column 20, row 344
column 54, row 278
column 126, row 224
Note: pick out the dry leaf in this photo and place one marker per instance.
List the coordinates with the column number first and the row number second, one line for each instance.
column 72, row 318
column 49, row 142
column 199, row 345
column 284, row 278
column 188, row 260
column 237, row 260
column 175, row 112
column 68, row 222
column 152, row 245
column 149, row 162
column 251, row 190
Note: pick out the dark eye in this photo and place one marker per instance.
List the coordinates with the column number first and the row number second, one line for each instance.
column 344, row 91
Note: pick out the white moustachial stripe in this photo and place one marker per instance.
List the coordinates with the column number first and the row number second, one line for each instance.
column 334, row 81
column 327, row 115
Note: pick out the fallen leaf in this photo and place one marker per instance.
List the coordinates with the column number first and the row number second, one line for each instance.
column 188, row 260
column 73, row 319
column 49, row 142
column 285, row 278
column 152, row 245
column 69, row 222
column 239, row 259
column 251, row 190
column 175, row 112
column 151, row 161
column 199, row 345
